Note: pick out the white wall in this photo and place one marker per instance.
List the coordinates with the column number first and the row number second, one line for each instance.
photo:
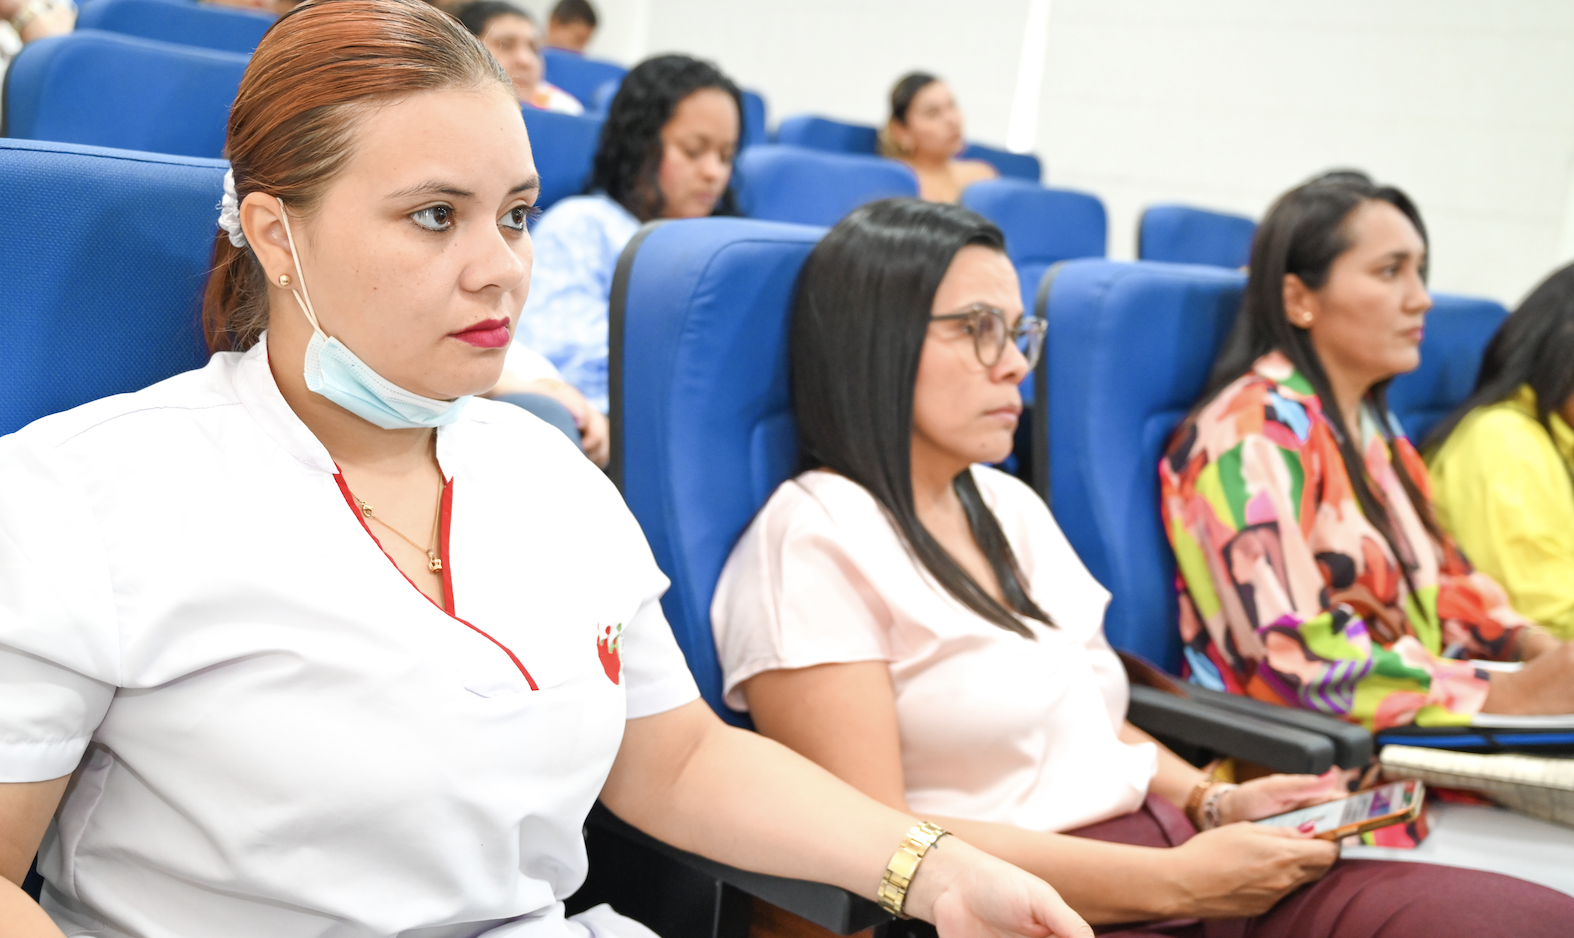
column 1219, row 103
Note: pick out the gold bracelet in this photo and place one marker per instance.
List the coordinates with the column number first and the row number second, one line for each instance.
column 904, row 864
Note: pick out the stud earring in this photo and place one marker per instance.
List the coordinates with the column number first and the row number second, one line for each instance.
column 284, row 280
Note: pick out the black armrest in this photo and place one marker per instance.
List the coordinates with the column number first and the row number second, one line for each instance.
column 1353, row 746
column 675, row 892
column 1278, row 746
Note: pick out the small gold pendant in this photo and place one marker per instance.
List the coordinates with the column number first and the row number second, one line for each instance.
column 434, row 564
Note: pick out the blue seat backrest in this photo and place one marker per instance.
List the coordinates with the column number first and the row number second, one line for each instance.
column 755, row 131
column 1182, row 235
column 822, row 133
column 182, row 21
column 702, row 424
column 812, row 187
column 579, row 76
column 1457, row 332
column 103, row 282
column 1042, row 226
column 564, row 147
column 1129, row 348
column 108, row 90
column 1009, row 165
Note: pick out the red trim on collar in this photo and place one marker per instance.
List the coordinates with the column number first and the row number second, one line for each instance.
column 445, row 519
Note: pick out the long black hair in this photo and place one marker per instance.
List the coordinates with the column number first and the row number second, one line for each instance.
column 860, row 316
column 628, row 158
column 1304, row 233
column 1534, row 346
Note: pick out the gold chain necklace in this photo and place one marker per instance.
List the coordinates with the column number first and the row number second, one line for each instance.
column 434, row 563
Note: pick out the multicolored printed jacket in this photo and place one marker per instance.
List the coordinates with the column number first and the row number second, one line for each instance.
column 1287, row 592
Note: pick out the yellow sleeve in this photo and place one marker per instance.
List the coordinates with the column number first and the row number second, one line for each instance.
column 1506, row 495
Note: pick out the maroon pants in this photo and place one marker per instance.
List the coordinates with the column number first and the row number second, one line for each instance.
column 1358, row 898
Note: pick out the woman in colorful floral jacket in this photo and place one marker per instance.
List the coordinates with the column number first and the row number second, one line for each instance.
column 1302, row 582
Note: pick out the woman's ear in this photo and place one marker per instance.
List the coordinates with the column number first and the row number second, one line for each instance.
column 260, row 218
column 1301, row 304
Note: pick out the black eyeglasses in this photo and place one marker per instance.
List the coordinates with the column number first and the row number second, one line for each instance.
column 990, row 333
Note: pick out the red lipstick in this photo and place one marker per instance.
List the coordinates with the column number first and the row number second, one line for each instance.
column 489, row 333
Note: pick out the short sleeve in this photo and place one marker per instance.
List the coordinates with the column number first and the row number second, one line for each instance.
column 656, row 673
column 792, row 596
column 58, row 644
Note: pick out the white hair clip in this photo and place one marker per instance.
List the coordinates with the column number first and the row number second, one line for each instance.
column 229, row 212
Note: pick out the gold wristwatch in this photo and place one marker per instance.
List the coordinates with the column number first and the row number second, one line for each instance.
column 904, row 864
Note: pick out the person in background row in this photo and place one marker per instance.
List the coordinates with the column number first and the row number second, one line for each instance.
column 666, row 151
column 309, row 641
column 23, row 21
column 917, row 623
column 571, row 25
column 510, row 34
column 925, row 132
column 1313, row 572
column 1503, row 463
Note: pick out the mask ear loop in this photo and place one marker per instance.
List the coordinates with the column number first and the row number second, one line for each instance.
column 303, row 297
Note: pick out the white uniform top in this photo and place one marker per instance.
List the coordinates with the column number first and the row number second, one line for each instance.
column 283, row 736
column 994, row 726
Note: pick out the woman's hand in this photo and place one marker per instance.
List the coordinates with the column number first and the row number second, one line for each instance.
column 1544, row 685
column 594, row 436
column 1276, row 794
column 1243, row 869
column 967, row 893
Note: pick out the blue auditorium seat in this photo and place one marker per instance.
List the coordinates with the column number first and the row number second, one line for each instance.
column 579, row 76
column 105, row 89
column 564, row 147
column 754, row 131
column 1042, row 226
column 812, row 187
column 1457, row 332
column 180, row 21
column 1179, row 234
column 822, row 133
column 1009, row 165
column 706, row 304
column 1128, row 350
column 103, row 281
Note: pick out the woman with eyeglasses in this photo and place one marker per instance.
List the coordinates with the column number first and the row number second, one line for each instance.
column 916, row 623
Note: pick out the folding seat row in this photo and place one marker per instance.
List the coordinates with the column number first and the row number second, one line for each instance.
column 822, row 133
column 186, row 22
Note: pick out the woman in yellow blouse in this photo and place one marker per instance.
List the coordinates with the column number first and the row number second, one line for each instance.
column 1503, row 464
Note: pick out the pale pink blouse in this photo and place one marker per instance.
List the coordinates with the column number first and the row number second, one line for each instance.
column 994, row 726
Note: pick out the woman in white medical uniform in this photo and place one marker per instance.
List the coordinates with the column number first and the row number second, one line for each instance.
column 311, row 643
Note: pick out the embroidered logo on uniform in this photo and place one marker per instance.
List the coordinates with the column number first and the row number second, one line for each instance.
column 609, row 645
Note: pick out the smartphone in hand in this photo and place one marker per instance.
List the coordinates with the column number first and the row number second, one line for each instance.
column 1394, row 803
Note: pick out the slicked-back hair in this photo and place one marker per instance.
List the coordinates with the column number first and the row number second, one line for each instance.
column 1305, row 231
column 860, row 317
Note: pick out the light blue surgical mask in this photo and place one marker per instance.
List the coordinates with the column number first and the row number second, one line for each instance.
column 338, row 374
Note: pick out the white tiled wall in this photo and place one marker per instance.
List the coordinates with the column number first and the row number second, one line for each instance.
column 1219, row 103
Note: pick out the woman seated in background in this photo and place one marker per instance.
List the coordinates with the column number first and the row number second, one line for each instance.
column 666, row 151
column 917, row 623
column 510, row 34
column 1503, row 464
column 925, row 132
column 1312, row 570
